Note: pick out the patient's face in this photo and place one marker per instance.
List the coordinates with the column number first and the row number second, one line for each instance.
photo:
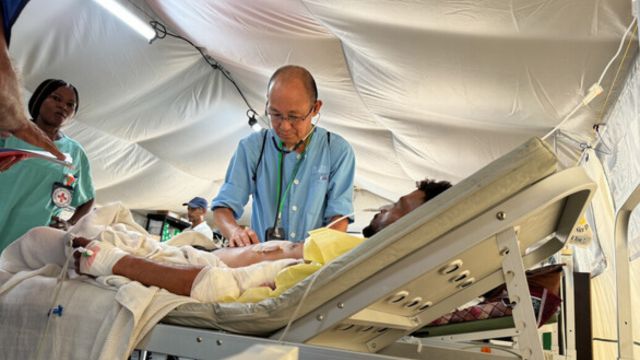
column 390, row 214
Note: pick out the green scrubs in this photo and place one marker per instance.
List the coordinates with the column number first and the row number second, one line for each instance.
column 25, row 189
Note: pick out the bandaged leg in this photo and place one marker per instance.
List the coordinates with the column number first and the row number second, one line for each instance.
column 226, row 284
column 98, row 258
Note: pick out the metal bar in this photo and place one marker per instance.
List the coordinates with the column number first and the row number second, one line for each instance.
column 569, row 305
column 518, row 289
column 211, row 344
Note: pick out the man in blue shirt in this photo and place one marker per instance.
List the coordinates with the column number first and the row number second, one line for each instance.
column 300, row 176
column 14, row 120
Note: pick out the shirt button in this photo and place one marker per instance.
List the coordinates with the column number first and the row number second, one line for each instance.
column 298, row 156
column 292, row 236
column 296, row 181
column 294, row 208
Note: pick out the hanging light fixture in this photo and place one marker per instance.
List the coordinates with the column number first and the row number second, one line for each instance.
column 128, row 18
column 253, row 121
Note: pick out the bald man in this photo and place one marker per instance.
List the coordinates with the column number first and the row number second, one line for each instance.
column 299, row 176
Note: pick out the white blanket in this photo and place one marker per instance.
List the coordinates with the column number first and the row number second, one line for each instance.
column 101, row 318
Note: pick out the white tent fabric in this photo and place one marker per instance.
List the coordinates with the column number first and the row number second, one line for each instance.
column 421, row 89
column 619, row 151
column 433, row 88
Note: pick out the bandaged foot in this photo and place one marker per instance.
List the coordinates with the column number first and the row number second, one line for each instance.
column 98, row 258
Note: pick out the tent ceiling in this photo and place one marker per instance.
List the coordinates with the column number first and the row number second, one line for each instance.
column 420, row 88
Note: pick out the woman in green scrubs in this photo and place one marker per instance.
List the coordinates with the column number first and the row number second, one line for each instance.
column 34, row 191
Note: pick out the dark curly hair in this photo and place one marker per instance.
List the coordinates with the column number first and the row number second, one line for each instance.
column 432, row 188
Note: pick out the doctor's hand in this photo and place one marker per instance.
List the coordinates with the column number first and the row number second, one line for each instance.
column 31, row 133
column 242, row 236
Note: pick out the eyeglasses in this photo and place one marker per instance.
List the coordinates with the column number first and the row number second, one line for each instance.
column 292, row 119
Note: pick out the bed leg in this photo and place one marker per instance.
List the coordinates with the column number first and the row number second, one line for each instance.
column 518, row 289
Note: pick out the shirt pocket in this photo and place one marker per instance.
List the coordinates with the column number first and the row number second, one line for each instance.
column 320, row 174
column 318, row 187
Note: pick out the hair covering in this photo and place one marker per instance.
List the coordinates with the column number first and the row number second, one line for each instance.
column 43, row 91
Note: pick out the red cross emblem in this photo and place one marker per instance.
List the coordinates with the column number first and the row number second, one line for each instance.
column 62, row 197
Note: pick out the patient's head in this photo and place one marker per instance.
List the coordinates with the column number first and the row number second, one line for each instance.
column 427, row 190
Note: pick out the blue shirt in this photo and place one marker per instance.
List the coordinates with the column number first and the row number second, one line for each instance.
column 10, row 11
column 321, row 189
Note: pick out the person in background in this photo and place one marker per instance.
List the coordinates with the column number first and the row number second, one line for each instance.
column 35, row 191
column 13, row 120
column 196, row 210
column 299, row 176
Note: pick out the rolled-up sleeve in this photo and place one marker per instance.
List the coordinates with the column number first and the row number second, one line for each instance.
column 234, row 193
column 340, row 191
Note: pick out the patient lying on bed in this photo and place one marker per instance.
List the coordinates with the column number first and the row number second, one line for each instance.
column 227, row 272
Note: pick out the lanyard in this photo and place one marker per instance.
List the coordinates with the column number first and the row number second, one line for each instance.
column 281, row 197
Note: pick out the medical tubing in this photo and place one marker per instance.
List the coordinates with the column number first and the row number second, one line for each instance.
column 338, row 219
column 276, row 219
column 615, row 77
column 599, row 139
column 286, row 191
column 302, row 299
column 606, row 68
column 306, row 292
column 56, row 294
column 582, row 102
column 283, row 196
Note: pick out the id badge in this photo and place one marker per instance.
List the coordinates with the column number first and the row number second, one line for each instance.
column 61, row 195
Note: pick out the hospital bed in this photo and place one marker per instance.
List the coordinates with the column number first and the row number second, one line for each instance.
column 483, row 232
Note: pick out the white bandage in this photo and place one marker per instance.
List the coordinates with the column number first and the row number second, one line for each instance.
column 269, row 246
column 215, row 284
column 98, row 258
column 260, row 273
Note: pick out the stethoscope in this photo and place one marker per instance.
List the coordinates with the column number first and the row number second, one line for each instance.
column 281, row 196
column 282, row 190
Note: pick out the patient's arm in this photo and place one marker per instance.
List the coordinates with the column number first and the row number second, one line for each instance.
column 253, row 254
column 179, row 279
column 174, row 278
column 97, row 259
